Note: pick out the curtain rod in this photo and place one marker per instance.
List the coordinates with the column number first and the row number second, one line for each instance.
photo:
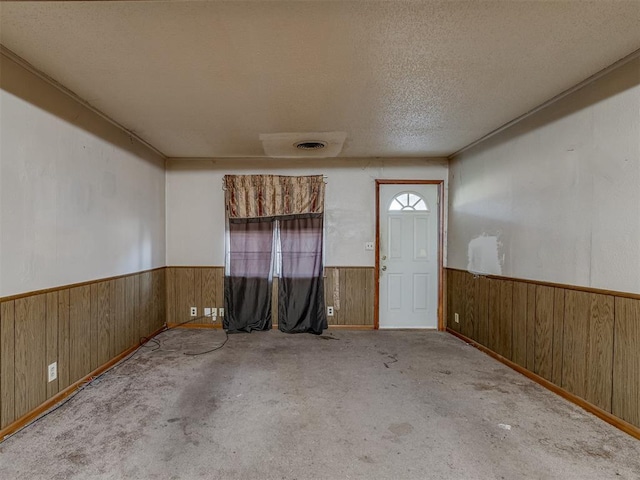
column 323, row 176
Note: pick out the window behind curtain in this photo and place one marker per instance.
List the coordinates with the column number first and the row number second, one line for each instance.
column 287, row 236
column 247, row 288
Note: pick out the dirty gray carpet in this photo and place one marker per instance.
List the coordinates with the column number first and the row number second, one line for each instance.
column 344, row 405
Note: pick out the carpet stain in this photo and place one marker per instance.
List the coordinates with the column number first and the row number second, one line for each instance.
column 580, row 449
column 394, row 359
column 485, row 387
column 77, row 458
column 401, row 429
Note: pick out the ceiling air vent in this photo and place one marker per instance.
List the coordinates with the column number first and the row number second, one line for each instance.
column 303, row 144
column 310, row 145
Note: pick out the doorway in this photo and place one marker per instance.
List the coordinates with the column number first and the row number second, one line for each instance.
column 409, row 254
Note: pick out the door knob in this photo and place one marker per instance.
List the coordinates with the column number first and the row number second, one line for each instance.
column 384, row 257
column 384, row 267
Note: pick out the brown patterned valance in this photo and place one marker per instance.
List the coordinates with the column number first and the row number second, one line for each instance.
column 261, row 196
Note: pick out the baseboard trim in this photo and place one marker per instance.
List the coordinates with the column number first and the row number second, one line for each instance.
column 274, row 326
column 409, row 329
column 193, row 325
column 39, row 410
column 351, row 327
column 341, row 327
column 589, row 407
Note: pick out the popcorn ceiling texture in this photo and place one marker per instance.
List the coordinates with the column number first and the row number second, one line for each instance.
column 204, row 79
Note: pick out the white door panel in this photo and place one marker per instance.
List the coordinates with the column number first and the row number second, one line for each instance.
column 395, row 291
column 408, row 256
column 395, row 237
column 420, row 238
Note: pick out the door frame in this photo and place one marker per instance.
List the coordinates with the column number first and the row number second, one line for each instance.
column 440, row 212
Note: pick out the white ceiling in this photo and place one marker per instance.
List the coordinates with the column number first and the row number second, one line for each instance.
column 401, row 78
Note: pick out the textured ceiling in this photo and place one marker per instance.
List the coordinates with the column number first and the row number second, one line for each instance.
column 401, row 78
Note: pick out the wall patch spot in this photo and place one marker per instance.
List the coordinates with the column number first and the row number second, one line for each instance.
column 483, row 256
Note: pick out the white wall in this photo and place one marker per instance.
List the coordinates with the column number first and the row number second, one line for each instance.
column 195, row 202
column 558, row 193
column 79, row 199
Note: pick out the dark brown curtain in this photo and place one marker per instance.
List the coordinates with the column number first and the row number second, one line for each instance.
column 247, row 288
column 301, row 285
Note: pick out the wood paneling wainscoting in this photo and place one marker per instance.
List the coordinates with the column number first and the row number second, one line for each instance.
column 350, row 290
column 584, row 341
column 81, row 327
column 194, row 287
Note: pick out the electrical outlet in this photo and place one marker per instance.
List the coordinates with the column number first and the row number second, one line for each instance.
column 207, row 312
column 221, row 311
column 214, row 312
column 329, row 311
column 368, row 246
column 52, row 371
column 194, row 311
column 456, row 318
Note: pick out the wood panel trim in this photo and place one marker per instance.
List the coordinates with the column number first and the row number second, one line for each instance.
column 274, row 326
column 74, row 285
column 194, row 325
column 351, row 327
column 33, row 414
column 601, row 291
column 589, row 407
column 441, row 241
column 440, row 211
column 376, row 270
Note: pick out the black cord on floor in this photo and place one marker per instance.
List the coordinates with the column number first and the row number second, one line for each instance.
column 226, row 339
column 213, row 349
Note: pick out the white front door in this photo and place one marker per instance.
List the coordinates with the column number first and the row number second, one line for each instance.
column 408, row 252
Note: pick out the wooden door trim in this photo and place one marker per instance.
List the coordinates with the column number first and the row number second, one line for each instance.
column 440, row 211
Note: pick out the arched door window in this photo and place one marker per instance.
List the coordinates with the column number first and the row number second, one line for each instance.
column 408, row 202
